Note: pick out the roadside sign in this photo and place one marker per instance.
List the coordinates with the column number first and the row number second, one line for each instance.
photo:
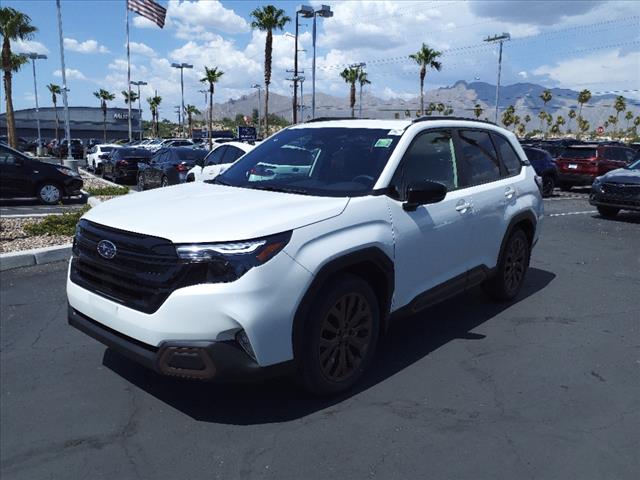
column 247, row 134
column 600, row 130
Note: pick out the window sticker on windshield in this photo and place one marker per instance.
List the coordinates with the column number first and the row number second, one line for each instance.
column 395, row 132
column 383, row 142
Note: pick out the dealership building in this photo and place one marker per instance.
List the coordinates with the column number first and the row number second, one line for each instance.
column 85, row 123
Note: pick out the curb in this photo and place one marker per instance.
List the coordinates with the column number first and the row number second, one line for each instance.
column 35, row 256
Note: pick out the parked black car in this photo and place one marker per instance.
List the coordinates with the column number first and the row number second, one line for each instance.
column 169, row 166
column 617, row 190
column 23, row 144
column 122, row 164
column 542, row 162
column 21, row 176
column 60, row 149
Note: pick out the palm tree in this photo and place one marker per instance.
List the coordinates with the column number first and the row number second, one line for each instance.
column 477, row 110
column 527, row 119
column 546, row 97
column 612, row 120
column 583, row 97
column 426, row 58
column 542, row 116
column 430, row 108
column 154, row 103
column 211, row 76
column 350, row 75
column 572, row 115
column 559, row 122
column 362, row 80
column 628, row 116
column 267, row 19
column 55, row 90
column 507, row 116
column 104, row 96
column 583, row 125
column 619, row 106
column 14, row 25
column 440, row 108
column 191, row 110
column 129, row 96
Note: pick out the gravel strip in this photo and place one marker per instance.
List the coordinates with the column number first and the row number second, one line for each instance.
column 13, row 238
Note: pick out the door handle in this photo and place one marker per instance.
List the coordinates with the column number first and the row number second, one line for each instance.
column 463, row 206
column 509, row 193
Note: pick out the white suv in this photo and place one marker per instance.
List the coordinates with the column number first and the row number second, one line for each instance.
column 302, row 271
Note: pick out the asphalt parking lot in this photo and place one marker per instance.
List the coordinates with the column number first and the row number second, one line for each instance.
column 546, row 387
column 32, row 207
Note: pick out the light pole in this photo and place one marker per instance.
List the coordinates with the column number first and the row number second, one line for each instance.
column 500, row 39
column 307, row 12
column 301, row 80
column 137, row 84
column 258, row 87
column 325, row 12
column 69, row 162
column 182, row 66
column 35, row 56
column 206, row 105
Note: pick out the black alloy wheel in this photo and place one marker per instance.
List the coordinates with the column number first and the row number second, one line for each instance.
column 142, row 186
column 512, row 267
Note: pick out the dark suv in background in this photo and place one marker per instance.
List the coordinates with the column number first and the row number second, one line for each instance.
column 542, row 162
column 579, row 165
column 169, row 166
column 122, row 164
column 60, row 149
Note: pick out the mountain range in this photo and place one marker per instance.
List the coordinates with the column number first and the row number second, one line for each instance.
column 461, row 97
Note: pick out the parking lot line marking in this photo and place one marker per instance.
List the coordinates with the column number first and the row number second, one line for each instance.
column 571, row 213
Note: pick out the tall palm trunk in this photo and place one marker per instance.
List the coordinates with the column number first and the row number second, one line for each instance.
column 352, row 98
column 423, row 73
column 55, row 109
column 267, row 79
column 11, row 124
column 210, row 115
column 104, row 121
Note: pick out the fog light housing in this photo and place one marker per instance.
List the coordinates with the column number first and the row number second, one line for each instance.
column 243, row 340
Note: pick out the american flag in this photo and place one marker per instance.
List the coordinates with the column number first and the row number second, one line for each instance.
column 149, row 9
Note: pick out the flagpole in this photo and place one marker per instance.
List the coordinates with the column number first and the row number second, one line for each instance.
column 126, row 6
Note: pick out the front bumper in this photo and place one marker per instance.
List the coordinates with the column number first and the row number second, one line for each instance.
column 603, row 200
column 577, row 179
column 201, row 360
column 73, row 187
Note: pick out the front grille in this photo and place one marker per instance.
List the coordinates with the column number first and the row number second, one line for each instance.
column 622, row 191
column 142, row 274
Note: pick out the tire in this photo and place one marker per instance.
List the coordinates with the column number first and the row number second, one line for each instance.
column 95, row 170
column 548, row 185
column 49, row 193
column 334, row 355
column 608, row 212
column 512, row 268
column 164, row 182
column 142, row 186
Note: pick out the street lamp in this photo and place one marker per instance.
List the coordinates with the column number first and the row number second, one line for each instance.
column 182, row 66
column 301, row 80
column 307, row 12
column 69, row 162
column 36, row 56
column 498, row 38
column 258, row 87
column 137, row 84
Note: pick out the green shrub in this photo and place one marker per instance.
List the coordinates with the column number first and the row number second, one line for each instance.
column 64, row 224
column 110, row 191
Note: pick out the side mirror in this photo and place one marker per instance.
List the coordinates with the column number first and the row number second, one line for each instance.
column 423, row 193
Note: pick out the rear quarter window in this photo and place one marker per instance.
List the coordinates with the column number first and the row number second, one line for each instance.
column 510, row 158
column 480, row 158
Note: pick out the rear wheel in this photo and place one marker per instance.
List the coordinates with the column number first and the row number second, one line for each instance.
column 341, row 337
column 142, row 186
column 608, row 212
column 548, row 185
column 164, row 182
column 511, row 270
column 49, row 193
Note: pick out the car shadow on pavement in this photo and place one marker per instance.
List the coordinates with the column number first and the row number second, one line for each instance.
column 622, row 217
column 278, row 400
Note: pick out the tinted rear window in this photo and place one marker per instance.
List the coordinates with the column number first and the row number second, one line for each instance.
column 188, row 155
column 106, row 149
column 579, row 152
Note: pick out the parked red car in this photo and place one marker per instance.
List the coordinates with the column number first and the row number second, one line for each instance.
column 578, row 165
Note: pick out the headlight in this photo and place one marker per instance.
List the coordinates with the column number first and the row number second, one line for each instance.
column 227, row 261
column 66, row 171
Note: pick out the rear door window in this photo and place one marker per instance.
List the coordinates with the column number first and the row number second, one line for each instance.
column 215, row 157
column 479, row 157
column 233, row 153
column 508, row 155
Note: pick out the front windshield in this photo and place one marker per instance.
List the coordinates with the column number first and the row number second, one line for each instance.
column 333, row 162
column 635, row 165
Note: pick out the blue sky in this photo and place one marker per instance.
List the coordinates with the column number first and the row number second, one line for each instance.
column 573, row 44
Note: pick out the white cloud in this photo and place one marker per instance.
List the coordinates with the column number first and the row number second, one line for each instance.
column 523, row 74
column 72, row 74
column 88, row 46
column 209, row 14
column 142, row 22
column 142, row 49
column 608, row 68
column 27, row 46
column 533, row 11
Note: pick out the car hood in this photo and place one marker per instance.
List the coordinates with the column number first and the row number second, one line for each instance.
column 622, row 175
column 202, row 212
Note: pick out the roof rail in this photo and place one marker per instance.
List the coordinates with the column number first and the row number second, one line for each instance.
column 427, row 118
column 326, row 119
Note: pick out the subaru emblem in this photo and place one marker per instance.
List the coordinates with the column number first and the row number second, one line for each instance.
column 106, row 249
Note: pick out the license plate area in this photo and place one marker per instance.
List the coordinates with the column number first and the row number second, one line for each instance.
column 572, row 166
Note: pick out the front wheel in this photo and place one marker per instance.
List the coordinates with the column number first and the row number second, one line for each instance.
column 49, row 193
column 341, row 336
column 511, row 270
column 548, row 185
column 608, row 212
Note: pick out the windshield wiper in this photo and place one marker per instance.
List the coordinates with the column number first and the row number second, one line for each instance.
column 273, row 188
column 219, row 181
